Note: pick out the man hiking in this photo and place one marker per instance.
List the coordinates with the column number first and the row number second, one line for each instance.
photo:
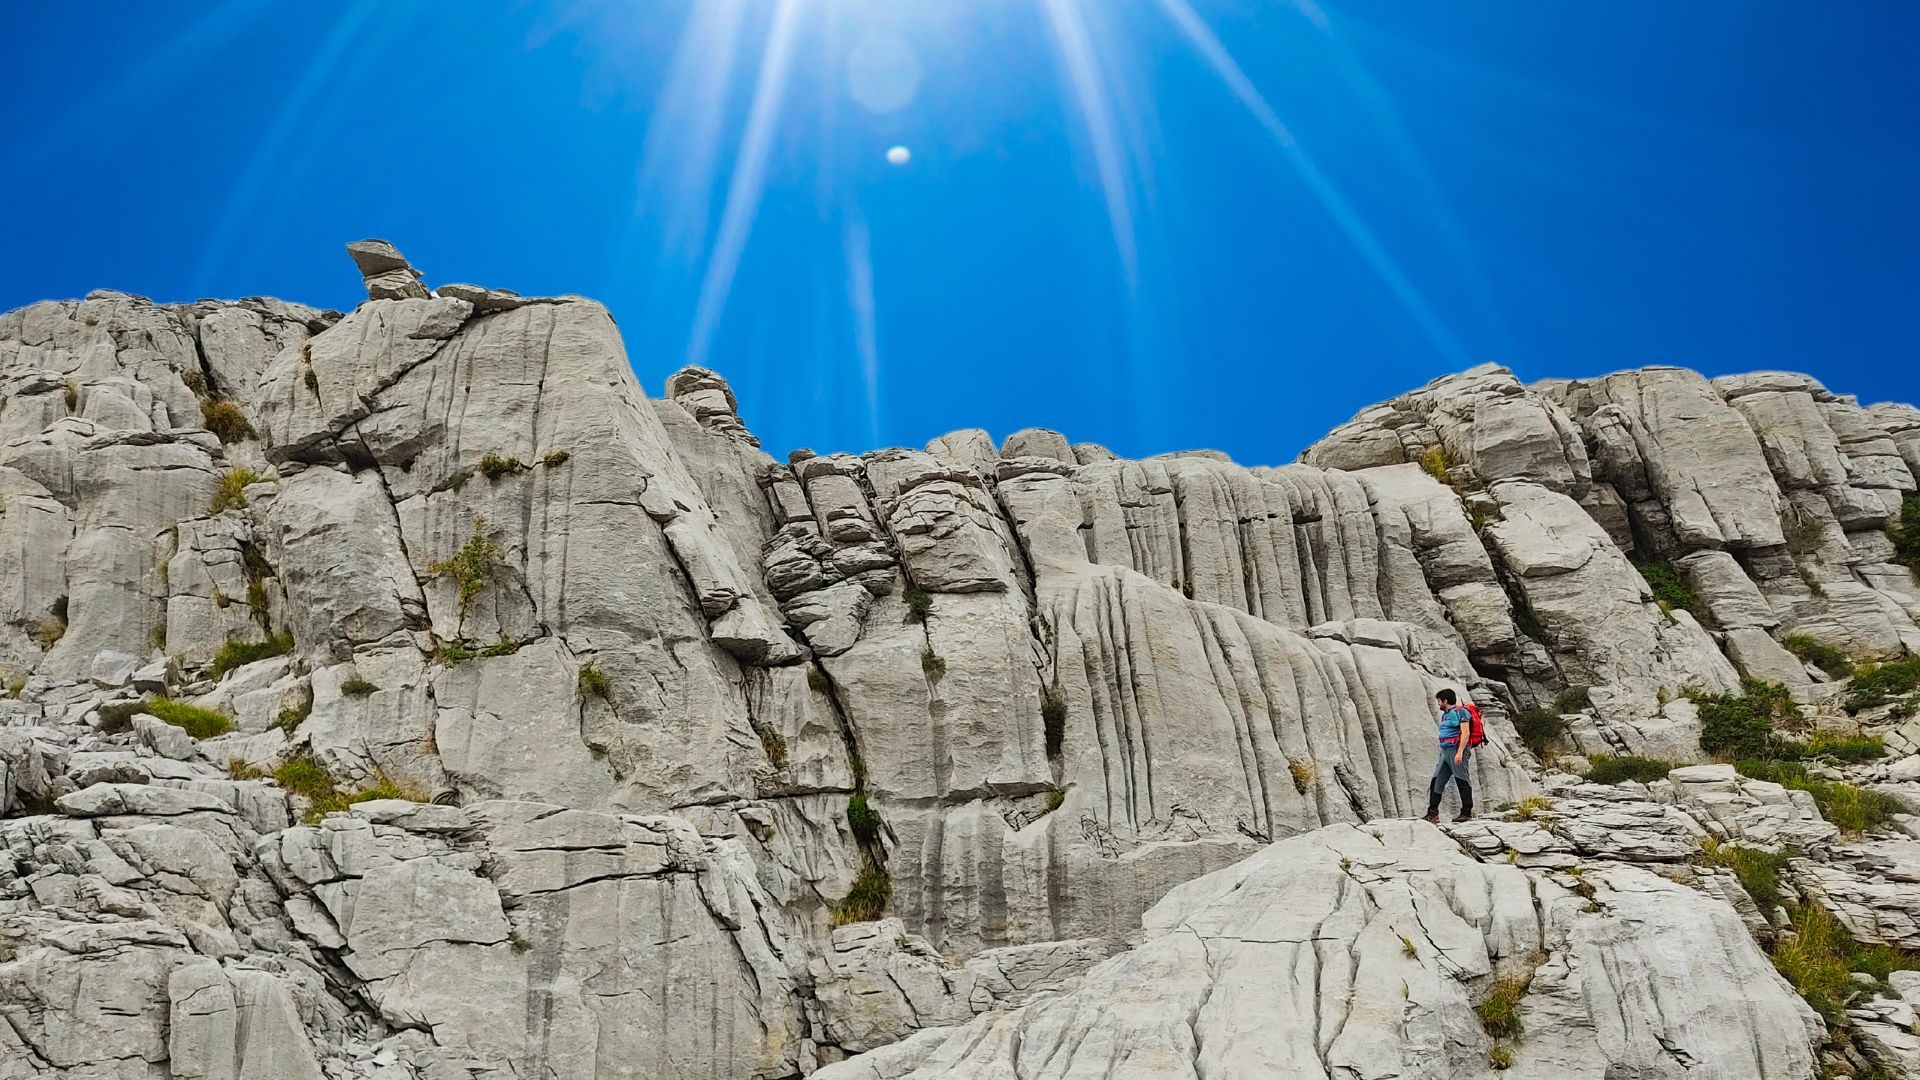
column 1457, row 732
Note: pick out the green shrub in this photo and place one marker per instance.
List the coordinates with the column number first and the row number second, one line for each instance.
column 1820, row 957
column 1572, row 700
column 1053, row 718
column 932, row 664
column 242, row 769
column 305, row 777
column 235, row 654
column 1055, row 796
column 1905, row 533
column 594, row 682
column 1439, row 463
column 1883, row 683
column 817, row 680
column 866, row 900
column 1743, row 726
column 51, row 629
column 356, row 686
column 1499, row 1058
column 232, row 492
column 1499, row 1012
column 1851, row 749
column 118, row 717
column 257, row 604
column 471, row 568
column 1835, row 663
column 1669, row 591
column 1602, row 769
column 555, row 458
column 453, row 652
column 195, row 721
column 1850, row 809
column 1540, row 729
column 386, row 787
column 919, row 604
column 1758, row 871
column 226, row 421
column 495, row 466
column 506, row 646
column 862, row 819
column 291, row 717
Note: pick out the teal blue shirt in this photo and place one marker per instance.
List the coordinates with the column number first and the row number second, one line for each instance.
column 1451, row 722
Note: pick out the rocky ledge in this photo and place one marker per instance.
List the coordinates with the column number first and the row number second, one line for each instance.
column 404, row 694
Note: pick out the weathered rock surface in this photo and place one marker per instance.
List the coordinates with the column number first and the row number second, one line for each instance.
column 684, row 762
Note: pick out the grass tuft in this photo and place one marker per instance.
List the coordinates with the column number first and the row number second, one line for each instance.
column 1850, row 809
column 232, row 492
column 555, row 458
column 358, row 687
column 932, row 664
column 1499, row 1012
column 195, row 721
column 226, row 421
column 235, row 654
column 866, row 900
column 1602, row 769
column 1670, row 592
column 594, row 682
column 1303, row 775
column 863, row 819
column 919, row 604
column 1835, row 663
column 290, row 718
column 817, row 680
column 495, row 466
column 1758, row 871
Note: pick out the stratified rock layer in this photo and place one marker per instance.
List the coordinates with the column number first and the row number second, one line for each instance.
column 671, row 722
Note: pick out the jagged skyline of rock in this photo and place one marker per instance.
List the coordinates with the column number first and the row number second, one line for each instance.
column 661, row 726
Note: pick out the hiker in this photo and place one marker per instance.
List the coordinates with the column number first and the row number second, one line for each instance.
column 1458, row 728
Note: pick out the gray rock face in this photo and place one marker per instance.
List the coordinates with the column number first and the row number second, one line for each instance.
column 682, row 761
column 1362, row 950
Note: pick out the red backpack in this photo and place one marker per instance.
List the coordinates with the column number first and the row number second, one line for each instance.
column 1476, row 727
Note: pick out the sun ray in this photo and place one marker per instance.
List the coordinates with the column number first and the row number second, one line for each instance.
column 1324, row 191
column 860, row 298
column 1089, row 87
column 749, row 176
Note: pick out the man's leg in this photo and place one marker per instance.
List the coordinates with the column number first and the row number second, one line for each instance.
column 1437, row 785
column 1460, row 774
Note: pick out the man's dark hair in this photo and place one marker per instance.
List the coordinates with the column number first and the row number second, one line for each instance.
column 1446, row 697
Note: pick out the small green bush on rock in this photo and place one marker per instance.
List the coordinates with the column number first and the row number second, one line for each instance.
column 197, row 722
column 1743, row 726
column 235, row 654
column 1602, row 769
column 1835, row 663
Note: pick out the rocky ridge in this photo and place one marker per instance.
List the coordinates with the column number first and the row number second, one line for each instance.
column 970, row 761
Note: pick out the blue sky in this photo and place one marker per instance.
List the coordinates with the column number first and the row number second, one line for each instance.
column 1154, row 224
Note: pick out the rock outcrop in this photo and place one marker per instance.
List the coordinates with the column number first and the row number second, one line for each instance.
column 676, row 760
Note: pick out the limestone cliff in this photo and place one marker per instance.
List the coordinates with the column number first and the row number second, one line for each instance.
column 648, row 728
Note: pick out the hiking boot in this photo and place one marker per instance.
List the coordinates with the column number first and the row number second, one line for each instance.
column 1433, row 818
column 1464, row 815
